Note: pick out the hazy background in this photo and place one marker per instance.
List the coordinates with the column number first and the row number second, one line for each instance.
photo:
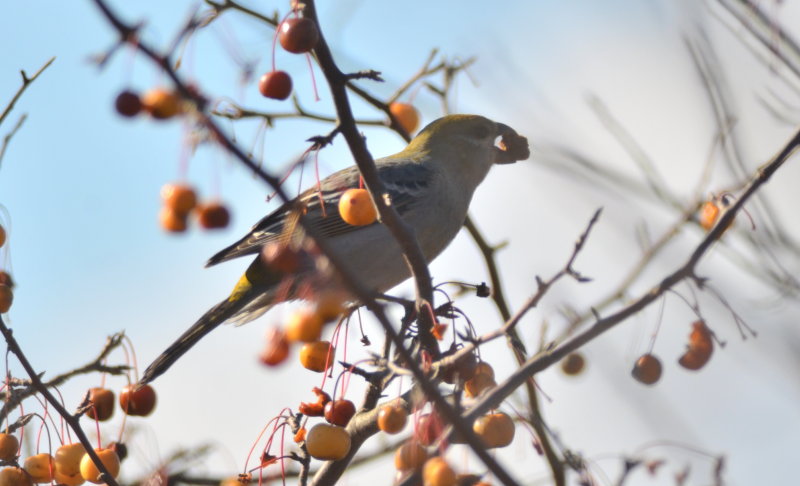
column 81, row 187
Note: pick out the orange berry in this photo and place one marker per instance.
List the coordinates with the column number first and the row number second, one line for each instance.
column 327, row 442
column 40, row 467
column 481, row 380
column 392, row 419
column 89, row 470
column 708, row 215
column 9, row 446
column 68, row 464
column 172, row 221
column 14, row 476
column 495, row 429
column 647, row 369
column 436, row 472
column 161, row 103
column 407, row 116
column 317, row 356
column 356, row 208
column 410, row 456
column 305, row 326
column 180, row 198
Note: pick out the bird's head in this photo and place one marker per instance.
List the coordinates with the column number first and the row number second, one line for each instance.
column 471, row 137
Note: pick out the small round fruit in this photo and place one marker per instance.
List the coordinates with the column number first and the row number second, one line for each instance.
column 68, row 464
column 463, row 369
column 89, row 470
column 407, row 116
column 317, row 356
column 180, row 198
column 436, row 472
column 172, row 221
column 700, row 347
column 480, row 381
column 410, row 456
column 2, row 236
column 6, row 298
column 647, row 369
column 281, row 257
column 427, row 429
column 102, row 400
column 304, row 326
column 276, row 85
column 128, row 104
column 9, row 446
column 213, row 216
column 14, row 476
column 708, row 215
column 277, row 348
column 137, row 401
column 330, row 304
column 392, row 419
column 5, row 279
column 161, row 103
column 40, row 467
column 339, row 412
column 327, row 442
column 298, row 34
column 356, row 208
column 573, row 364
column 495, row 429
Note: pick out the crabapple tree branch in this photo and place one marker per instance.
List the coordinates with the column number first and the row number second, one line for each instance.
column 97, row 365
column 686, row 271
column 71, row 420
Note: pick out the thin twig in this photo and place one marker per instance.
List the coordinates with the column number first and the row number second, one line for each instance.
column 26, row 81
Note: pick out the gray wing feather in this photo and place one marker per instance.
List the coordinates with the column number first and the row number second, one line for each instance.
column 403, row 182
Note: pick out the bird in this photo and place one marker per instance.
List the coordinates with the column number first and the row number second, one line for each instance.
column 430, row 184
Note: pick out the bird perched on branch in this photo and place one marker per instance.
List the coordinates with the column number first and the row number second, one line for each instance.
column 430, row 184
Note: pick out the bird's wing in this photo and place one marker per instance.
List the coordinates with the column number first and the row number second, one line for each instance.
column 403, row 183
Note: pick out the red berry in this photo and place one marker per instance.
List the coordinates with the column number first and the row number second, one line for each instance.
column 213, row 216
column 276, row 85
column 298, row 35
column 102, row 400
column 277, row 348
column 139, row 401
column 339, row 412
column 128, row 104
column 647, row 369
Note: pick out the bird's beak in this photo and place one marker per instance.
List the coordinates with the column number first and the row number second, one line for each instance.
column 510, row 146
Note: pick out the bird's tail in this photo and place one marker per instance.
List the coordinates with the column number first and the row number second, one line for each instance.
column 253, row 295
column 207, row 323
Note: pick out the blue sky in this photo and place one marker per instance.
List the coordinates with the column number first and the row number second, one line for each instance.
column 81, row 186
